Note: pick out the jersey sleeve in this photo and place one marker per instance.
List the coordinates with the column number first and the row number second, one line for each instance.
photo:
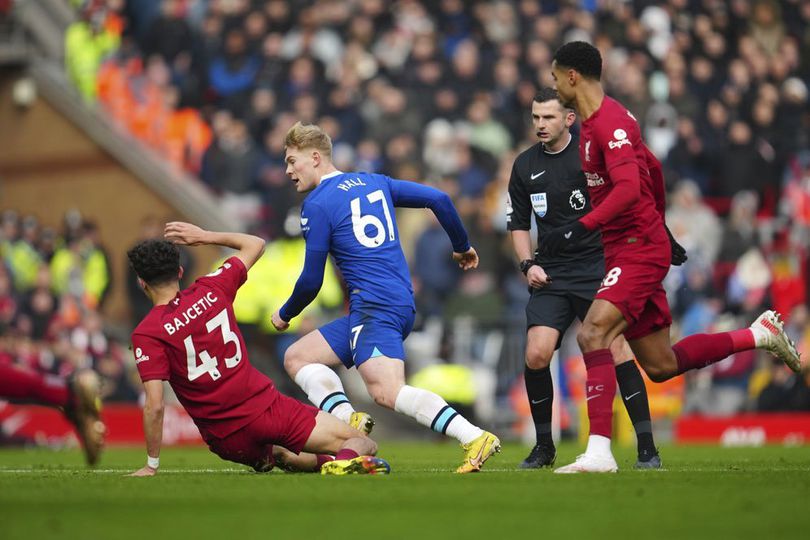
column 227, row 278
column 315, row 227
column 616, row 137
column 658, row 185
column 518, row 205
column 412, row 195
column 308, row 285
column 150, row 358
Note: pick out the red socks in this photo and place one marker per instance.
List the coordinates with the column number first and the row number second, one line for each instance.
column 345, row 453
column 16, row 383
column 600, row 390
column 701, row 350
column 323, row 458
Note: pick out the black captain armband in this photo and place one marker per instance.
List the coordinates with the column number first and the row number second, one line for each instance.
column 525, row 264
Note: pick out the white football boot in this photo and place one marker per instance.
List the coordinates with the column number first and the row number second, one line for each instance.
column 769, row 334
column 589, row 463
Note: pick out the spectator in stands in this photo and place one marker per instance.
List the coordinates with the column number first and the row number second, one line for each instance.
column 169, row 34
column 87, row 43
column 39, row 305
column 739, row 235
column 8, row 300
column 233, row 72
column 229, row 166
column 22, row 255
column 693, row 223
column 434, row 274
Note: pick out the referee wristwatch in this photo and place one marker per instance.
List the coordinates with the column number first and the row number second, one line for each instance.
column 525, row 264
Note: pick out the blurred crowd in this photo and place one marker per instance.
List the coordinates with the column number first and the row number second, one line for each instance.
column 440, row 92
column 53, row 285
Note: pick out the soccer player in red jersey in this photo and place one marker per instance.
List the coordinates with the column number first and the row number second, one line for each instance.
column 77, row 396
column 627, row 193
column 191, row 339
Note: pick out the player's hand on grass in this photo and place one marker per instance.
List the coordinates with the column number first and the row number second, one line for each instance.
column 279, row 323
column 467, row 260
column 558, row 239
column 183, row 233
column 145, row 471
column 537, row 277
column 678, row 252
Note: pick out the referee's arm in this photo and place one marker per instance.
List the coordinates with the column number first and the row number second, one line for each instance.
column 518, row 218
column 522, row 243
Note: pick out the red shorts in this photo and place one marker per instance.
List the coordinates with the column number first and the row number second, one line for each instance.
column 287, row 423
column 632, row 283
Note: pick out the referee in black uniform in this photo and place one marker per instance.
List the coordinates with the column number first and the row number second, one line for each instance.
column 547, row 181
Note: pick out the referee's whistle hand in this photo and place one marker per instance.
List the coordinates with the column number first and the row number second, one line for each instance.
column 537, row 277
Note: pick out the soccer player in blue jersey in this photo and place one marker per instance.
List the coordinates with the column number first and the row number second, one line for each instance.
column 351, row 216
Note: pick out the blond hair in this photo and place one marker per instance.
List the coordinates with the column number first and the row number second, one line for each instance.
column 303, row 136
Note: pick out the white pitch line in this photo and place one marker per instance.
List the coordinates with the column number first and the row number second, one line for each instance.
column 118, row 471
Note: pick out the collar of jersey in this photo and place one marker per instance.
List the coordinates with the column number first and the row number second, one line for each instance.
column 331, row 175
column 561, row 150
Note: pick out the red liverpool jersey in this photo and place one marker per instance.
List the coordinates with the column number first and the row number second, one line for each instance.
column 194, row 343
column 610, row 138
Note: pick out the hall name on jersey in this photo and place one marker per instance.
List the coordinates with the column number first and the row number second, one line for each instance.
column 192, row 312
column 346, row 185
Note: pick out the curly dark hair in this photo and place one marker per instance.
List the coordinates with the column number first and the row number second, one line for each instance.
column 581, row 56
column 155, row 261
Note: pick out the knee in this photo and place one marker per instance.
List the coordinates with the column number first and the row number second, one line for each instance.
column 538, row 357
column 381, row 395
column 659, row 374
column 293, row 360
column 590, row 338
column 620, row 351
column 370, row 447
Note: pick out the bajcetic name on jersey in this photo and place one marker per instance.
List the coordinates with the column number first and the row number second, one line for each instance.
column 192, row 312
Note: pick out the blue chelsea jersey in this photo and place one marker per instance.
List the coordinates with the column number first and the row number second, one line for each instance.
column 351, row 215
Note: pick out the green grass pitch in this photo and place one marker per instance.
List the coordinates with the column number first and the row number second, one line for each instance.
column 705, row 492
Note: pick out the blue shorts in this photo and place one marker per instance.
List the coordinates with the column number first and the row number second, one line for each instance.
column 368, row 331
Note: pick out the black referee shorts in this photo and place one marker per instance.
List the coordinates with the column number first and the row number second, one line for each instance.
column 569, row 295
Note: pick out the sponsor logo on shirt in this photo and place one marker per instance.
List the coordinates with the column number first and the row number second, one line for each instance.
column 618, row 144
column 594, row 179
column 621, row 139
column 509, row 209
column 540, row 203
column 139, row 356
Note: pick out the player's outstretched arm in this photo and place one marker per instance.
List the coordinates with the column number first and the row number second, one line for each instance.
column 412, row 195
column 249, row 248
column 306, row 289
column 152, row 426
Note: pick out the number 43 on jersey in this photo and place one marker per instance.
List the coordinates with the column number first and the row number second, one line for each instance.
column 209, row 364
